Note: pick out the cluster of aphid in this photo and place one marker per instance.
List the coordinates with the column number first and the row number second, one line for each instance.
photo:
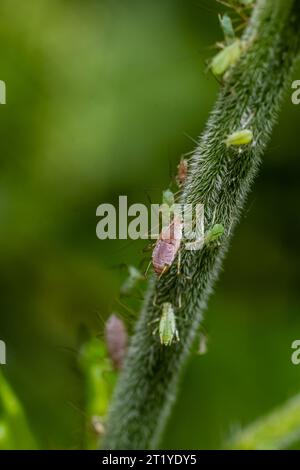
column 233, row 47
column 168, row 245
column 166, row 249
column 231, row 50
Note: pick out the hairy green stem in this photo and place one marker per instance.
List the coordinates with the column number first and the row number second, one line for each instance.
column 220, row 178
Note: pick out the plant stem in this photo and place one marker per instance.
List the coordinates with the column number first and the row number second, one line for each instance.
column 278, row 430
column 220, row 178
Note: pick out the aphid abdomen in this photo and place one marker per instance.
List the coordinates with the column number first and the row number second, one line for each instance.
column 226, row 58
column 167, row 246
column 163, row 255
column 241, row 137
column 166, row 332
column 167, row 325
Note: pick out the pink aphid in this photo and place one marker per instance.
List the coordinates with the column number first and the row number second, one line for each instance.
column 167, row 246
column 116, row 340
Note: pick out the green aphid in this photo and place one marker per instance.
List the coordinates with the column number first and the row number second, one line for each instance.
column 134, row 277
column 226, row 58
column 214, row 234
column 168, row 197
column 242, row 137
column 227, row 28
column 167, row 325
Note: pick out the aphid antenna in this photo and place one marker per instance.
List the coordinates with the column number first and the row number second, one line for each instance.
column 238, row 10
column 128, row 309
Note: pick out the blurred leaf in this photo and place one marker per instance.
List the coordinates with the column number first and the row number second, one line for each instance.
column 14, row 430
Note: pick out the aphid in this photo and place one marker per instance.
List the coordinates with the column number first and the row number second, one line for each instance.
column 134, row 277
column 241, row 137
column 98, row 426
column 214, row 234
column 168, row 197
column 227, row 27
column 116, row 338
column 167, row 246
column 167, row 325
column 226, row 58
column 182, row 172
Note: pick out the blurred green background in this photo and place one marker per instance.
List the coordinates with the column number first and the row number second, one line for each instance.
column 103, row 97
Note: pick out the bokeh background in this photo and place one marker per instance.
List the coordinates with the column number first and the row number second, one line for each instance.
column 103, row 97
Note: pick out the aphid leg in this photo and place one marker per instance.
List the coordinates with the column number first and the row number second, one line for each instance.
column 148, row 267
column 177, row 335
column 155, row 331
column 165, row 269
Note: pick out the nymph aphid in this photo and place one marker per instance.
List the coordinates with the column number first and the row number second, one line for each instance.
column 116, row 339
column 227, row 27
column 241, row 137
column 167, row 246
column 98, row 425
column 182, row 169
column 168, row 197
column 213, row 234
column 167, row 325
column 226, row 58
